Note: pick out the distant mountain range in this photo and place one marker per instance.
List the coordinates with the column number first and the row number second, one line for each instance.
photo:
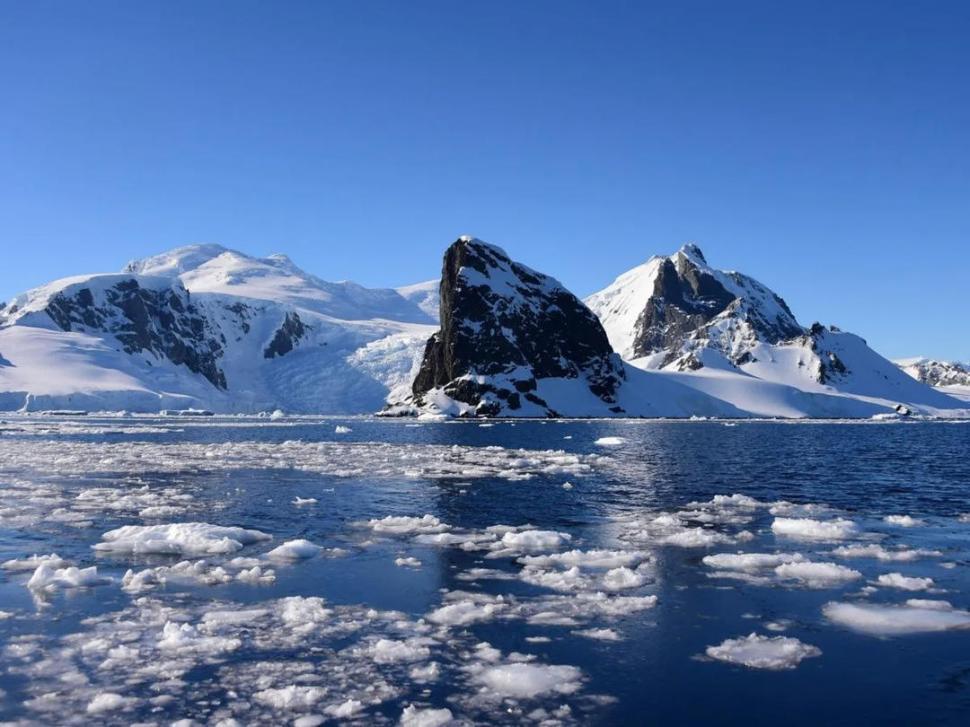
column 206, row 327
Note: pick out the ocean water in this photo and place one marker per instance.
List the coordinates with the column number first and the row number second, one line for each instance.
column 574, row 572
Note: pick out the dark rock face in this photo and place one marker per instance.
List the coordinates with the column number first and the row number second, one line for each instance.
column 163, row 322
column 503, row 326
column 286, row 337
column 688, row 296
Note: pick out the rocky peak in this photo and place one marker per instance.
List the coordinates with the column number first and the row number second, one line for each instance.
column 504, row 329
column 672, row 305
column 145, row 315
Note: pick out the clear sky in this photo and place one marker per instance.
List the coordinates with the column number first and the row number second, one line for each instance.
column 823, row 147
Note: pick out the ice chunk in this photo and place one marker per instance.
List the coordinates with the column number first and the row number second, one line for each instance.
column 905, row 583
column 31, row 563
column 915, row 616
column 109, row 702
column 416, row 717
column 388, row 651
column 817, row 575
column 404, row 525
column 464, row 612
column 294, row 550
column 763, row 652
column 46, row 578
column 809, row 529
column 525, row 681
column 609, row 441
column 750, row 562
column 188, row 539
column 903, row 521
column 291, row 697
column 874, row 550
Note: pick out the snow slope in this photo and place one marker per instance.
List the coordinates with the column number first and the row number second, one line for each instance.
column 726, row 334
column 267, row 334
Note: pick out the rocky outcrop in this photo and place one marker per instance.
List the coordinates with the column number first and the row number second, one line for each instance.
column 937, row 373
column 286, row 336
column 505, row 331
column 160, row 320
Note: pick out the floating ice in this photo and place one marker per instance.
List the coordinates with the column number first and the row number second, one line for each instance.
column 416, row 717
column 525, row 681
column 874, row 550
column 109, row 702
column 817, row 575
column 294, row 550
column 291, row 697
column 904, row 521
column 405, row 525
column 534, row 540
column 388, row 651
column 186, row 637
column 763, row 652
column 587, row 558
column 340, row 429
column 46, row 578
column 905, row 583
column 599, row 634
column 408, row 562
column 915, row 616
column 609, row 441
column 750, row 562
column 809, row 529
column 31, row 563
column 191, row 539
column 466, row 612
column 301, row 501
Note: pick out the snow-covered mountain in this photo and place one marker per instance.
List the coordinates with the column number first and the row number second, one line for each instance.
column 204, row 326
column 208, row 327
column 950, row 377
column 936, row 373
column 515, row 342
column 733, row 334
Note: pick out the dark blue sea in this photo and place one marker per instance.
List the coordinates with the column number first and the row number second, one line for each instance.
column 573, row 572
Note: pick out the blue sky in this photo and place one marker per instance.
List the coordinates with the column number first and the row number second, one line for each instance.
column 823, row 147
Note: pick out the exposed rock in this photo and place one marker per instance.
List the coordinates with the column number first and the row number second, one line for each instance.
column 937, row 373
column 286, row 336
column 161, row 320
column 504, row 329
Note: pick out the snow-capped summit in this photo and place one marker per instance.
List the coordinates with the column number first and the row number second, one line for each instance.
column 219, row 270
column 207, row 326
column 679, row 314
column 666, row 307
column 936, row 373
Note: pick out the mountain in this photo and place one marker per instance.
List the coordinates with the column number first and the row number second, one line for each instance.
column 950, row 377
column 677, row 314
column 515, row 342
column 208, row 327
column 936, row 373
column 205, row 326
column 512, row 341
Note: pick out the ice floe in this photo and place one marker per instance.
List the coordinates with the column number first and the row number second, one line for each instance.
column 186, row 539
column 763, row 652
column 905, row 583
column 810, row 529
column 915, row 616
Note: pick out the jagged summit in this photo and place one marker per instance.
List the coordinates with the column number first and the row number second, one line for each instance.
column 507, row 333
column 662, row 308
